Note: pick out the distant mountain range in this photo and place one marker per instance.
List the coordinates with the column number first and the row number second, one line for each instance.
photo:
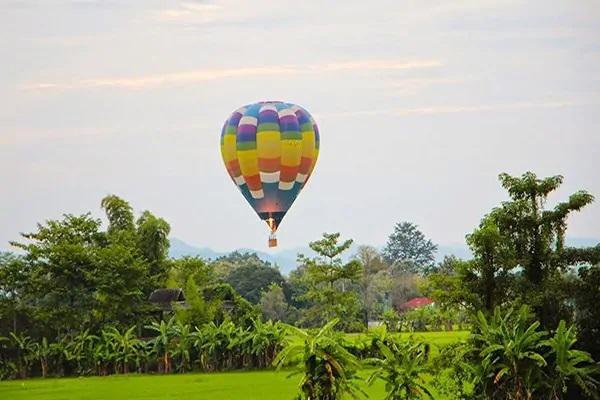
column 286, row 259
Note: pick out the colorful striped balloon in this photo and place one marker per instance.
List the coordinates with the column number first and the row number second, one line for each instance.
column 270, row 150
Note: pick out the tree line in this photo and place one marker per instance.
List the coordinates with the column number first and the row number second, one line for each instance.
column 77, row 297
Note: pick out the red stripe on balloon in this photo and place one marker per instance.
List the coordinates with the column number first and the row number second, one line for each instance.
column 233, row 167
column 288, row 174
column 253, row 182
column 269, row 164
column 305, row 164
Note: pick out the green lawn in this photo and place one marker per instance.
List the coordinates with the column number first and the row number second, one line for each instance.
column 435, row 339
column 252, row 385
column 263, row 385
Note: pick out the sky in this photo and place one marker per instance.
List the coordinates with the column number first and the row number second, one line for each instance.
column 420, row 106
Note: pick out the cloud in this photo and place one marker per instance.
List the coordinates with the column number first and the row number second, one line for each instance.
column 432, row 110
column 191, row 12
column 482, row 108
column 32, row 136
column 201, row 75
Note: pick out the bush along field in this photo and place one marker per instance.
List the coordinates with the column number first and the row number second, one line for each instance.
column 112, row 315
column 506, row 356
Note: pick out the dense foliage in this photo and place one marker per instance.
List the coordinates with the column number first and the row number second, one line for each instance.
column 75, row 301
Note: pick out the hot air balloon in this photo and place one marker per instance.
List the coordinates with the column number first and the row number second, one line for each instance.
column 270, row 150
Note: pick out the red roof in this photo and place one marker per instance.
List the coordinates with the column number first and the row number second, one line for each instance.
column 417, row 302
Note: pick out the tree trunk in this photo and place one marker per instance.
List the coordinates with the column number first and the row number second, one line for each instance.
column 44, row 365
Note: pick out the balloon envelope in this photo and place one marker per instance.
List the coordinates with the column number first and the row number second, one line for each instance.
column 270, row 150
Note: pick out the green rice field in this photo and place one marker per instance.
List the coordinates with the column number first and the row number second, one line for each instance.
column 250, row 385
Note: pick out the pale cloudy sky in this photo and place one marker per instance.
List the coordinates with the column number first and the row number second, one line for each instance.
column 420, row 105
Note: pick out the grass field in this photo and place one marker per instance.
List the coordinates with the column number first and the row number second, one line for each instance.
column 251, row 385
column 263, row 385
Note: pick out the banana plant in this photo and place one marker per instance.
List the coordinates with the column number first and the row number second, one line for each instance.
column 401, row 366
column 25, row 347
column 511, row 350
column 163, row 343
column 7, row 367
column 183, row 344
column 103, row 353
column 328, row 370
column 198, row 344
column 570, row 365
column 79, row 348
column 211, row 346
column 42, row 351
column 265, row 339
column 125, row 346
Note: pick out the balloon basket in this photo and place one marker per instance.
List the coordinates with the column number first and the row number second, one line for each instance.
column 272, row 240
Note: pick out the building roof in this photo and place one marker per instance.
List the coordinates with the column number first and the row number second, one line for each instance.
column 417, row 302
column 164, row 298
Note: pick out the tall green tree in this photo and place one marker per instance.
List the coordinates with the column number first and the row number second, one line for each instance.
column 586, row 292
column 182, row 269
column 60, row 265
column 375, row 282
column 75, row 276
column 487, row 276
column 537, row 239
column 119, row 214
column 328, row 279
column 273, row 304
column 252, row 279
column 153, row 242
column 14, row 278
column 225, row 265
column 197, row 310
column 408, row 249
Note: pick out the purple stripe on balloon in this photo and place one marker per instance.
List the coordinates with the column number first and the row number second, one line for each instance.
column 224, row 128
column 246, row 133
column 268, row 116
column 302, row 117
column 289, row 123
column 234, row 120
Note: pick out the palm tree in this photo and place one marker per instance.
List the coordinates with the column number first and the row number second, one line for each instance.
column 329, row 370
column 401, row 366
column 570, row 365
column 163, row 342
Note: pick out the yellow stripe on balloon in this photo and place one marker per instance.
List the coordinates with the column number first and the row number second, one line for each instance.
column 314, row 161
column 308, row 144
column 248, row 162
column 291, row 152
column 268, row 144
column 228, row 149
